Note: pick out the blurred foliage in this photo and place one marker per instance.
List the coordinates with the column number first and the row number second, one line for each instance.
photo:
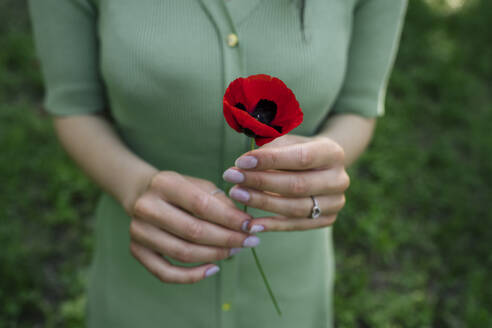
column 45, row 201
column 412, row 244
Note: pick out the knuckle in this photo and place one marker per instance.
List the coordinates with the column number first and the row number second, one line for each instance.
column 165, row 179
column 232, row 219
column 221, row 254
column 133, row 249
column 227, row 219
column 338, row 152
column 194, row 230
column 162, row 276
column 257, row 180
column 202, row 183
column 263, row 201
column 160, row 179
column 342, row 201
column 156, row 180
column 305, row 157
column 298, row 211
column 142, row 206
column 232, row 240
column 299, row 185
column 134, row 229
column 210, row 185
column 344, row 180
column 183, row 254
column 153, row 270
column 228, row 201
column 200, row 203
column 325, row 141
column 192, row 279
column 269, row 159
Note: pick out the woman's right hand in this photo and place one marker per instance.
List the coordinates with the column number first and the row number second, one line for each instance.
column 172, row 215
column 177, row 216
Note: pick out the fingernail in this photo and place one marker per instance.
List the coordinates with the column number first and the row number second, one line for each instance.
column 251, row 241
column 233, row 176
column 246, row 162
column 211, row 271
column 244, row 226
column 239, row 194
column 256, row 228
column 234, row 251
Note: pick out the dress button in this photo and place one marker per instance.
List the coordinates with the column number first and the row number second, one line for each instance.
column 226, row 307
column 232, row 40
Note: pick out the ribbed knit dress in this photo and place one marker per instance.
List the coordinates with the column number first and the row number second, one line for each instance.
column 161, row 67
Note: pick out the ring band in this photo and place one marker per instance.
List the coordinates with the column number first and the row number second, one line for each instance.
column 316, row 211
column 217, row 191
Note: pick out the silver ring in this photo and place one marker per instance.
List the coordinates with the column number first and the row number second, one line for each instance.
column 217, row 191
column 316, row 211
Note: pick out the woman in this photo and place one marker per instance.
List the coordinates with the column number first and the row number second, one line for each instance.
column 135, row 89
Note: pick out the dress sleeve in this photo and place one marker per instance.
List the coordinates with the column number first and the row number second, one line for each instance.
column 376, row 33
column 65, row 33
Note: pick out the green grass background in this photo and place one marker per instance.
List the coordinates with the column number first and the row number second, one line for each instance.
column 413, row 244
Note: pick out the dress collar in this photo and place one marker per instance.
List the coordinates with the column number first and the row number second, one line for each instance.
column 237, row 10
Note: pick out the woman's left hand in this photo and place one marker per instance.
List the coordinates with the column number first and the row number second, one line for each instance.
column 281, row 176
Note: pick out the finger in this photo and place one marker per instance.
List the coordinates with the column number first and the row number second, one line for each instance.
column 295, row 184
column 165, row 271
column 210, row 187
column 285, row 140
column 223, row 197
column 282, row 223
column 174, row 247
column 180, row 223
column 292, row 207
column 320, row 152
column 181, row 192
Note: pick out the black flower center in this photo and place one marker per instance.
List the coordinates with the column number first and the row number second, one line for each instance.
column 240, row 106
column 264, row 111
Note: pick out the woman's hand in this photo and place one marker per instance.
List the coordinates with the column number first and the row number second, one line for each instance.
column 281, row 176
column 172, row 214
column 177, row 216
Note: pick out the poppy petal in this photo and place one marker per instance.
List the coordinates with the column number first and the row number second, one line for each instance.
column 247, row 121
column 235, row 94
column 260, row 141
column 227, row 109
column 262, row 86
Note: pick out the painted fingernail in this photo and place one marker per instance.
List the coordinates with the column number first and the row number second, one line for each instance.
column 211, row 271
column 244, row 226
column 251, row 241
column 234, row 251
column 239, row 194
column 246, row 162
column 233, row 176
column 256, row 228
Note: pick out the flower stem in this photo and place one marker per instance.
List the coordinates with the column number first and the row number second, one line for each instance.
column 257, row 260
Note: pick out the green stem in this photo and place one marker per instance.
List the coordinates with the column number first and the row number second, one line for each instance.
column 257, row 261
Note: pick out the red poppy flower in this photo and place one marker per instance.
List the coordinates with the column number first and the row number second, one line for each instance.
column 262, row 107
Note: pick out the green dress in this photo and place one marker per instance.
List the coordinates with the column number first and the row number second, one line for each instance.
column 161, row 68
